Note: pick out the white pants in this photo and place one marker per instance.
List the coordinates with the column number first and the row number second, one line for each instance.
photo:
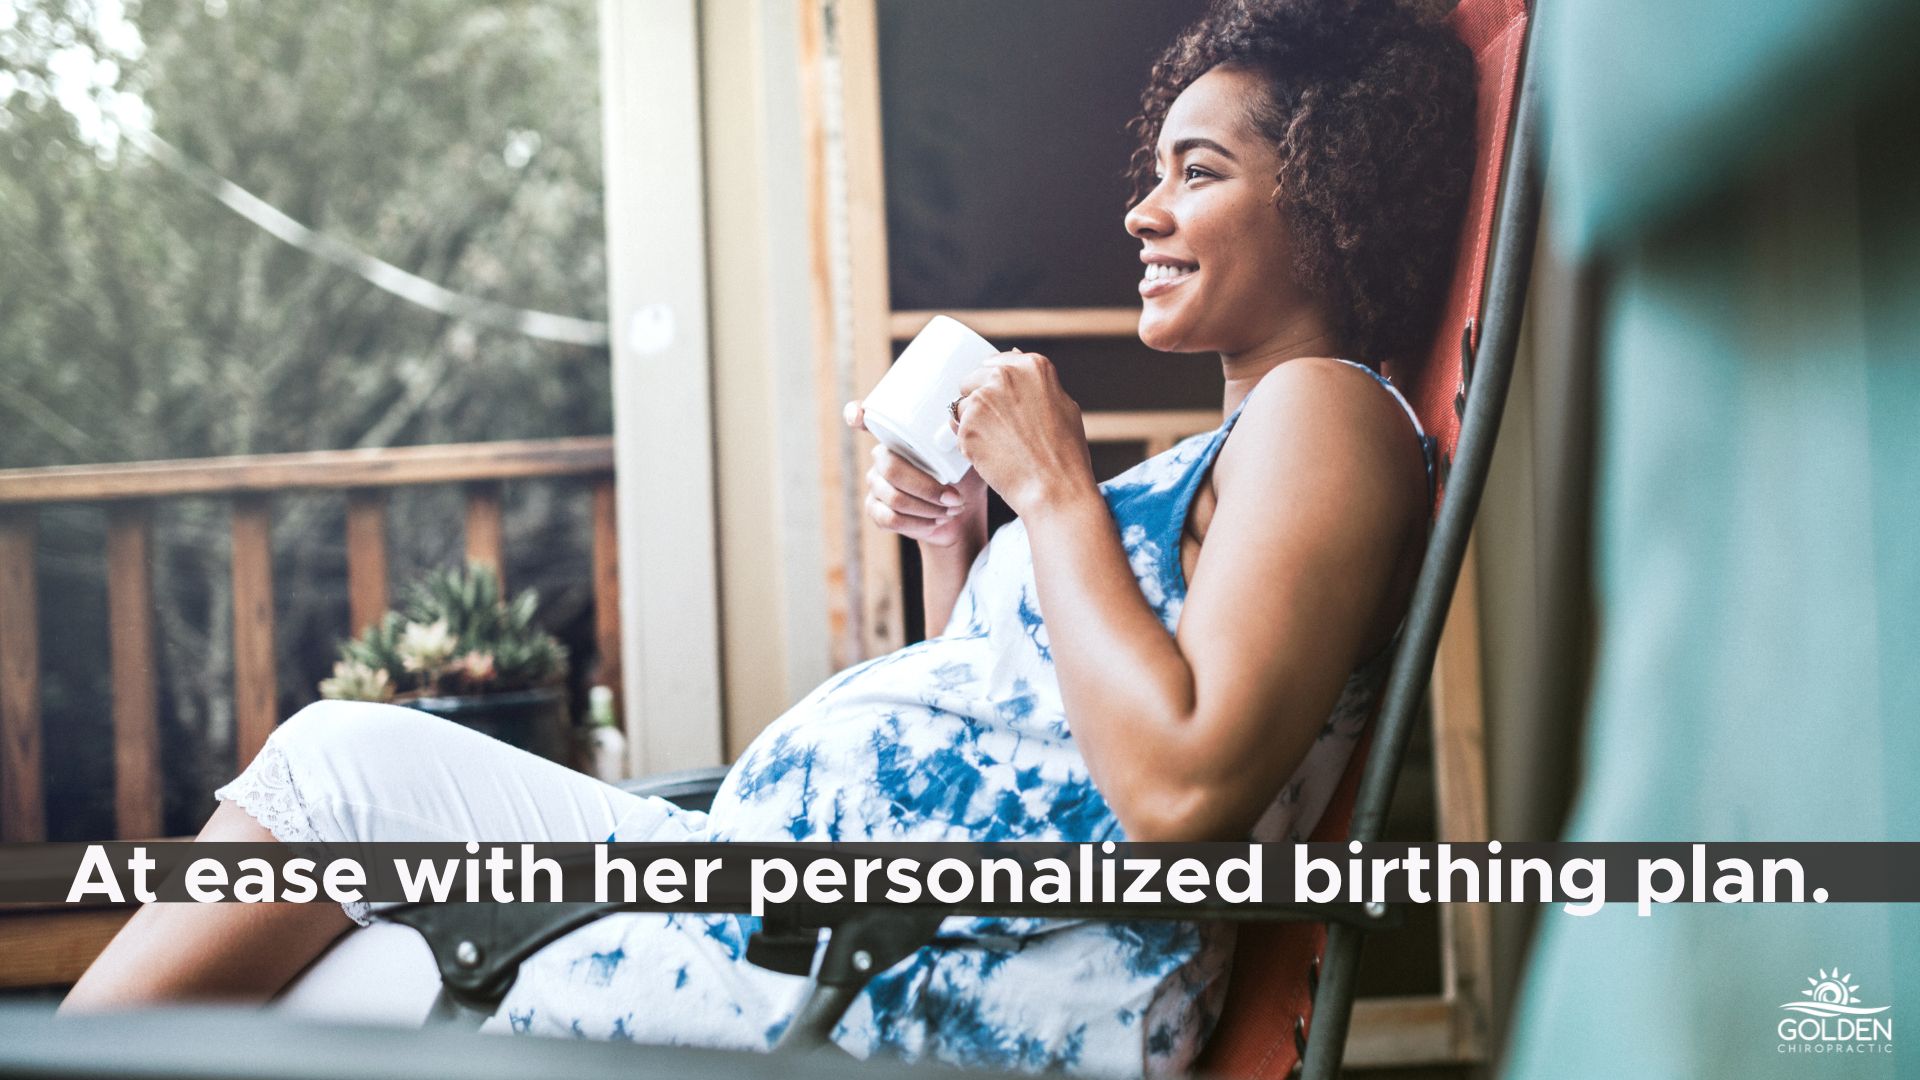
column 355, row 771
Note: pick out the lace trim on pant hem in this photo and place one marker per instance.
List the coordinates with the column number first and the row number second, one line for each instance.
column 266, row 791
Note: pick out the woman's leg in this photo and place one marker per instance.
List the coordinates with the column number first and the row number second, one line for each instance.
column 232, row 952
column 346, row 772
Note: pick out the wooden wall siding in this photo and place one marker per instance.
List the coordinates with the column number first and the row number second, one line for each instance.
column 127, row 494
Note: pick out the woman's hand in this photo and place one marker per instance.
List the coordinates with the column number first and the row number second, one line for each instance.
column 1022, row 432
column 905, row 500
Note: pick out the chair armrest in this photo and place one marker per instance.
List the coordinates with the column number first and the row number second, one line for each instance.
column 689, row 789
column 478, row 948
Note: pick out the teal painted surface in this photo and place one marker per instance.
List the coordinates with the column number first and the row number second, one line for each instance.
column 1656, row 104
column 1758, row 581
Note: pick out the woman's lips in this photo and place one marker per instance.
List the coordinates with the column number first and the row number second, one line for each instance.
column 1155, row 286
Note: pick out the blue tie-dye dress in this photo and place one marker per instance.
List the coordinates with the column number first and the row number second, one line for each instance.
column 961, row 737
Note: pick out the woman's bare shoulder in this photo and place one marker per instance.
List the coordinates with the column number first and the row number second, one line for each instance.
column 1320, row 501
column 1331, row 417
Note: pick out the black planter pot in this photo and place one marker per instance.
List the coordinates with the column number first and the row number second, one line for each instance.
column 534, row 720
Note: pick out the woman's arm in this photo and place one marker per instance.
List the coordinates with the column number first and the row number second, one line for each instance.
column 948, row 522
column 943, row 573
column 1320, row 497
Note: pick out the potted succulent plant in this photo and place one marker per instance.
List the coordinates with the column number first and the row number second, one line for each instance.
column 458, row 648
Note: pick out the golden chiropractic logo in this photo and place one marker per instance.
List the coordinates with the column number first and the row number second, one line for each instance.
column 1833, row 1020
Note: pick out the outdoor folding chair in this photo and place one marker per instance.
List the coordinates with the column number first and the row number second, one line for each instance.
column 1292, row 987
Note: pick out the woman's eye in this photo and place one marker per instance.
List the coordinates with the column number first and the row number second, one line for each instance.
column 1194, row 172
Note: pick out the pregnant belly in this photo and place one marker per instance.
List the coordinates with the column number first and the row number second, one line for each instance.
column 906, row 772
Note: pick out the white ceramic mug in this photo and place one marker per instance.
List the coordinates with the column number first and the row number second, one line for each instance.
column 907, row 411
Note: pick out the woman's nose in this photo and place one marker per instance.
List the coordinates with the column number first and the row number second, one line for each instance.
column 1148, row 217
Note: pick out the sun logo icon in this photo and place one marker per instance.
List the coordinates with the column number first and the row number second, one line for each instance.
column 1833, row 994
column 1833, row 988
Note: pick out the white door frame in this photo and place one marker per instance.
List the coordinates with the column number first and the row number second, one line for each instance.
column 662, row 381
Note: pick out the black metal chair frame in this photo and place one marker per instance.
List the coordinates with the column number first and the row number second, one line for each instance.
column 478, row 947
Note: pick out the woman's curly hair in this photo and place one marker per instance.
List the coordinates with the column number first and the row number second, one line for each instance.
column 1371, row 105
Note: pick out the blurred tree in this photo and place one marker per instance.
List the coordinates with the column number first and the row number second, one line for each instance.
column 141, row 319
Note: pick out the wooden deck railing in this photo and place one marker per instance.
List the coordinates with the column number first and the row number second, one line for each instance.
column 127, row 493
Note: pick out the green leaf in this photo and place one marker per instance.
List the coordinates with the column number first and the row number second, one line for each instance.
column 469, row 600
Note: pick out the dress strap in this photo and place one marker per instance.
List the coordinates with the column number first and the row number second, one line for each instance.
column 1419, row 429
column 1392, row 389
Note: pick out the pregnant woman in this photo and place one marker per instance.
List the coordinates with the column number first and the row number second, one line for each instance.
column 1185, row 652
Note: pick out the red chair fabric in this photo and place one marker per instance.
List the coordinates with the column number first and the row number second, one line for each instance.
column 1495, row 30
column 1268, row 991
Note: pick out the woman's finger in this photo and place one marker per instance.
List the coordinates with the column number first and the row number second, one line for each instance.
column 943, row 533
column 978, row 377
column 906, row 478
column 913, row 528
column 899, row 500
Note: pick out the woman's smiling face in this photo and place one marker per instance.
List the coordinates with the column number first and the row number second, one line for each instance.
column 1218, row 274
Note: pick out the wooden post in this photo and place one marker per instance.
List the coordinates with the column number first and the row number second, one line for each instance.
column 254, row 686
column 366, row 558
column 882, row 625
column 840, row 502
column 1460, row 795
column 606, row 592
column 483, row 529
column 23, row 813
column 136, row 690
